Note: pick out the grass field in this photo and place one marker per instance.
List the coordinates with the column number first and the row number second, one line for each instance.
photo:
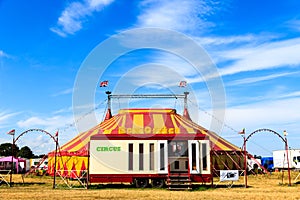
column 260, row 187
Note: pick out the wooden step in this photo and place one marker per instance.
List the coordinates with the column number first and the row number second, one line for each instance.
column 179, row 182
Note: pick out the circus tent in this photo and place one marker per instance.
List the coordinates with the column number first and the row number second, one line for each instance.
column 74, row 154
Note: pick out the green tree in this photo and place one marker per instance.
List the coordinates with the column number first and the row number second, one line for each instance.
column 25, row 152
column 5, row 149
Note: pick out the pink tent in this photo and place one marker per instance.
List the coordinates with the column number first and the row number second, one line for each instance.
column 15, row 160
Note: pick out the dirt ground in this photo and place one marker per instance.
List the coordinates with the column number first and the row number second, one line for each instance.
column 273, row 187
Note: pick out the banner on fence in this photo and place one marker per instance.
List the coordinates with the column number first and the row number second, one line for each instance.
column 229, row 175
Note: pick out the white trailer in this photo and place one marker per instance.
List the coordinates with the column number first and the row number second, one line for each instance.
column 280, row 159
column 157, row 159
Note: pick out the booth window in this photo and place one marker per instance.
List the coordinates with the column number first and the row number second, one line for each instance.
column 204, row 156
column 194, row 166
column 162, row 156
column 151, row 156
column 141, row 156
column 130, row 156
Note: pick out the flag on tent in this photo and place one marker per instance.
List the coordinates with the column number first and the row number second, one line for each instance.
column 12, row 132
column 242, row 131
column 56, row 134
column 104, row 84
column 182, row 84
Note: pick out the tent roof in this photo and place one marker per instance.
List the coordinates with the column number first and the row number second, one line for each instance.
column 144, row 121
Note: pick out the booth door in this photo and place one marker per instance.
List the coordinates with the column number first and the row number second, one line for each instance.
column 193, row 151
column 162, row 156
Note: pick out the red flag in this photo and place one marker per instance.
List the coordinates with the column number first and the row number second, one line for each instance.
column 104, row 84
column 12, row 132
column 182, row 84
column 242, row 131
column 56, row 134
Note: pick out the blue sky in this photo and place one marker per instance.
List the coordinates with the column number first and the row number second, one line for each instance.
column 254, row 45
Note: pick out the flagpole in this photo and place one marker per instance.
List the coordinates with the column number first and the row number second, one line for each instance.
column 287, row 155
column 55, row 158
column 12, row 160
column 245, row 161
column 245, row 156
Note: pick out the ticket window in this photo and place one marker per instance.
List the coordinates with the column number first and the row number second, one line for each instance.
column 178, row 149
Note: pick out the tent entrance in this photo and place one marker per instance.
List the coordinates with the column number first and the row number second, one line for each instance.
column 178, row 156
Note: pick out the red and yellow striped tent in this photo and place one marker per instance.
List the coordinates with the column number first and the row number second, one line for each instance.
column 74, row 154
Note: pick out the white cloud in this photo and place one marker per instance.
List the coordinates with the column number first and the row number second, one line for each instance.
column 64, row 92
column 293, row 24
column 180, row 15
column 4, row 55
column 75, row 14
column 266, row 56
column 277, row 115
column 291, row 95
column 260, row 78
column 4, row 117
column 265, row 113
column 234, row 39
column 42, row 143
column 50, row 124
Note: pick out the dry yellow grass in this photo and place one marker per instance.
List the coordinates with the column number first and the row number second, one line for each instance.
column 261, row 187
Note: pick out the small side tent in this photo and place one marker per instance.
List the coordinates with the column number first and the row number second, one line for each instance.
column 5, row 164
column 74, row 154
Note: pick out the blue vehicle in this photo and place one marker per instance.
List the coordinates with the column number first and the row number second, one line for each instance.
column 267, row 163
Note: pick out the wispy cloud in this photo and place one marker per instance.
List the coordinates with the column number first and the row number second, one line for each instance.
column 50, row 123
column 63, row 110
column 291, row 95
column 237, row 40
column 260, row 78
column 293, row 24
column 64, row 92
column 276, row 115
column 5, row 116
column 4, row 55
column 76, row 14
column 266, row 56
column 180, row 15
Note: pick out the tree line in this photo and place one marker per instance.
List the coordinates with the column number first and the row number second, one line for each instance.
column 24, row 152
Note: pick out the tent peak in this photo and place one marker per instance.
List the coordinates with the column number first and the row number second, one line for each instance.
column 108, row 114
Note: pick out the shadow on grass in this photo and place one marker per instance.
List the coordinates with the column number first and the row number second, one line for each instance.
column 194, row 187
column 23, row 184
column 112, row 186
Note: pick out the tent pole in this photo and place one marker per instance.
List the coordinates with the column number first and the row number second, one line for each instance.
column 212, row 169
column 88, row 166
column 108, row 99
column 55, row 158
